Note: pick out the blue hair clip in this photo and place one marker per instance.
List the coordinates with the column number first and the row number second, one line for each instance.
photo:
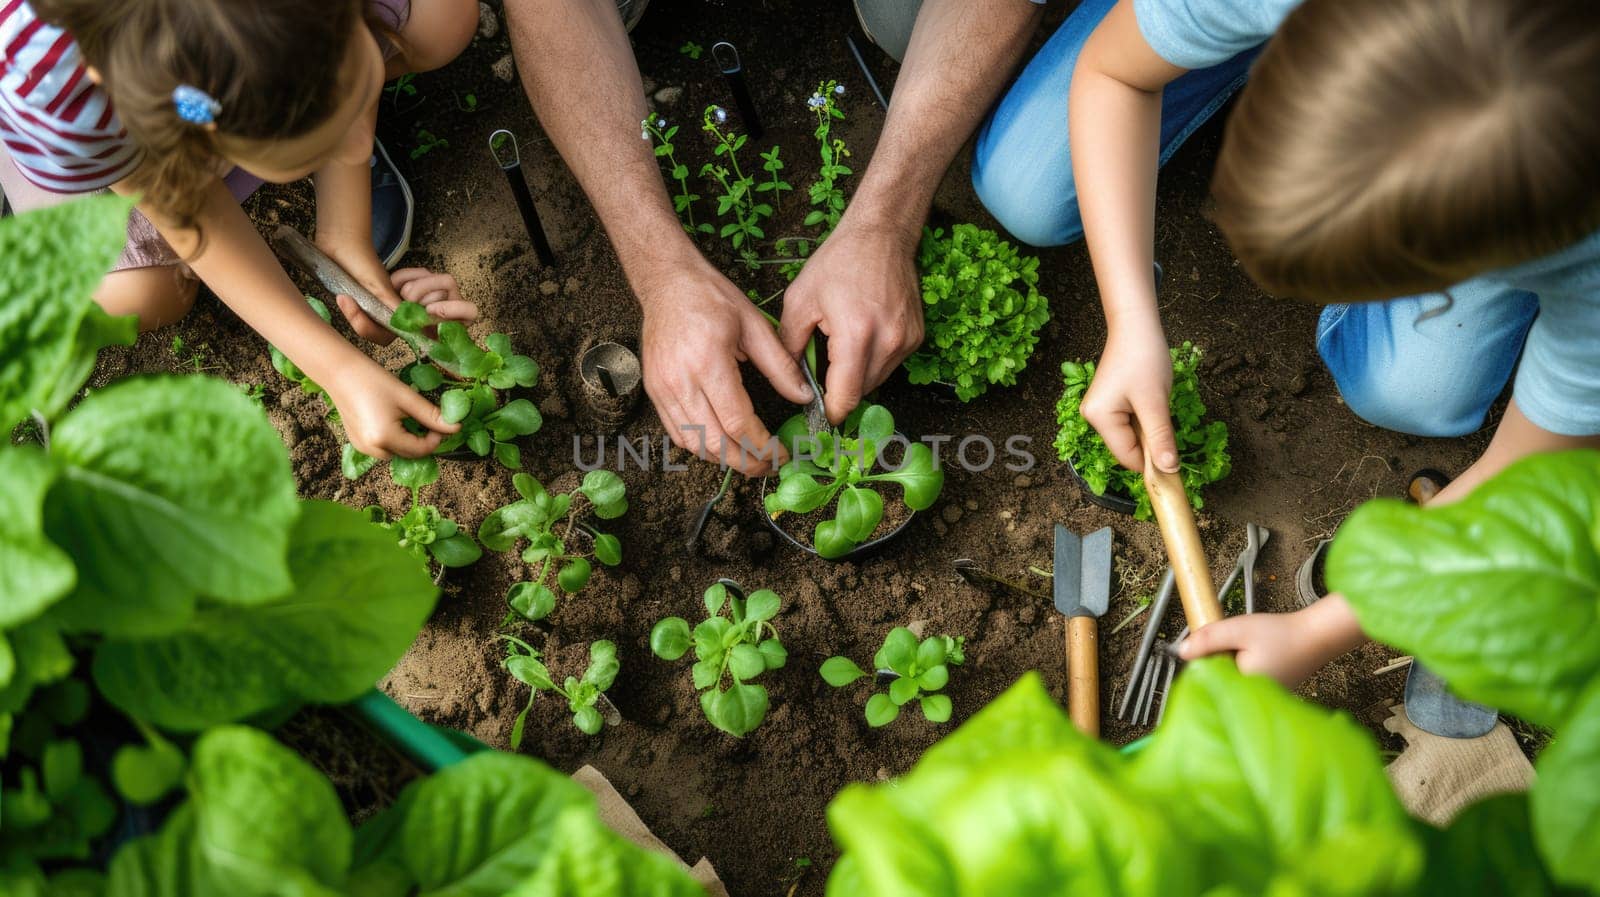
column 194, row 105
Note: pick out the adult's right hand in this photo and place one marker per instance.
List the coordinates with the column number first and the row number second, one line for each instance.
column 698, row 327
column 1132, row 392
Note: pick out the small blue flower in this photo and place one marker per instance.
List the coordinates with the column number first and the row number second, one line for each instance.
column 816, row 101
column 661, row 123
column 720, row 114
column 838, row 89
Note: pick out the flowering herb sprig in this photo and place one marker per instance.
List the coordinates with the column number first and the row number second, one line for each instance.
column 827, row 199
column 771, row 164
column 738, row 197
column 656, row 131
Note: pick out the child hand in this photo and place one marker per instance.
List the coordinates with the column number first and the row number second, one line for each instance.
column 1133, row 385
column 372, row 405
column 438, row 293
column 1287, row 647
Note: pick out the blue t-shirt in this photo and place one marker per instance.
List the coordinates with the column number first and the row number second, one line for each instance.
column 1558, row 379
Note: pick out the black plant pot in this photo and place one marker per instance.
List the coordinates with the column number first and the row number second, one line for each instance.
column 1118, row 503
column 860, row 552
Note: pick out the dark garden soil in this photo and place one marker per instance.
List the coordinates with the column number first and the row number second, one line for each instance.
column 1301, row 461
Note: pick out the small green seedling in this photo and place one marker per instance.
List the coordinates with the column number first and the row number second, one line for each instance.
column 145, row 773
column 840, row 464
column 919, row 671
column 424, row 531
column 535, row 517
column 427, row 142
column 740, row 646
column 523, row 663
column 691, row 49
column 486, row 425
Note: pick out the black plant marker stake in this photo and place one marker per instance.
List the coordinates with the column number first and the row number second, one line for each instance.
column 727, row 57
column 519, row 189
column 861, row 62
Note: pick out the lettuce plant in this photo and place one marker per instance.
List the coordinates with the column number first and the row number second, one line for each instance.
column 424, row 531
column 919, row 671
column 1499, row 593
column 982, row 310
column 847, row 465
column 1202, row 446
column 522, row 661
column 738, row 646
column 535, row 517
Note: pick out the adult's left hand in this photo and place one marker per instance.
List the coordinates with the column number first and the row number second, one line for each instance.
column 861, row 289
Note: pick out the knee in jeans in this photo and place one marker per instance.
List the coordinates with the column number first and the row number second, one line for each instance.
column 1019, row 208
column 1403, row 408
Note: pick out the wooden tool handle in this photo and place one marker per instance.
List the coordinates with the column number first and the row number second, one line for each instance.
column 1083, row 674
column 1187, row 555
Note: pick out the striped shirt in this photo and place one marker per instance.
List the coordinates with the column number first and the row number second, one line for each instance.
column 58, row 126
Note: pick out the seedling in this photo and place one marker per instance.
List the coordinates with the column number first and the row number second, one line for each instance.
column 1202, row 447
column 738, row 646
column 427, row 142
column 655, row 129
column 917, row 671
column 691, row 49
column 827, row 198
column 738, row 199
column 840, row 464
column 523, row 663
column 404, row 87
column 981, row 309
column 424, row 531
column 535, row 517
column 467, row 102
column 486, row 426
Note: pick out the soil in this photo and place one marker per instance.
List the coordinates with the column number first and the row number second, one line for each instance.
column 756, row 805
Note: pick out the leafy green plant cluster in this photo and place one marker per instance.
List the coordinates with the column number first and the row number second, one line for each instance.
column 424, row 531
column 535, row 517
column 982, row 310
column 1499, row 594
column 739, row 197
column 847, row 464
column 156, row 564
column 825, row 193
column 1202, row 446
column 524, row 664
column 735, row 647
column 920, row 670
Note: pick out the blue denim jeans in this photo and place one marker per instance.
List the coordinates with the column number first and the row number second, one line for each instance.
column 1431, row 377
column 1022, row 169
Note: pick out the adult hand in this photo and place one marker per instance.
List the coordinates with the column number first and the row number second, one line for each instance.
column 373, row 405
column 1133, row 386
column 698, row 327
column 861, row 289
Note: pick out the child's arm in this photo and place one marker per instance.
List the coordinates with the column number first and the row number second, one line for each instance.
column 1290, row 647
column 344, row 232
column 1115, row 121
column 238, row 266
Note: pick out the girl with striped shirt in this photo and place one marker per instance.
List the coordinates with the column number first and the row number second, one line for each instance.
column 190, row 105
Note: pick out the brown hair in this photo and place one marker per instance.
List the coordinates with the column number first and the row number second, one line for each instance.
column 273, row 67
column 1389, row 148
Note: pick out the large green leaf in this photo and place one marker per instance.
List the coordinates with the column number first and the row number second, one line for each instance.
column 51, row 260
column 1240, row 761
column 1487, row 849
column 586, row 859
column 170, row 488
column 1499, row 593
column 34, row 573
column 496, row 824
column 260, row 822
column 1244, row 790
column 357, row 602
column 1015, row 803
column 1566, row 797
